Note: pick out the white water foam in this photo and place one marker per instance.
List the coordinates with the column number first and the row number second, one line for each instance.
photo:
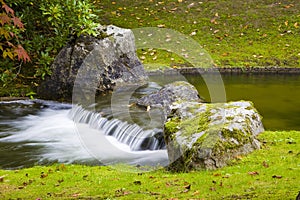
column 62, row 140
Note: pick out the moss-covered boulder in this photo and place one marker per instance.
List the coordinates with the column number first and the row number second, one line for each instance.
column 208, row 136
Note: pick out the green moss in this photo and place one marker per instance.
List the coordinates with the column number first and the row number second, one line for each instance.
column 195, row 124
column 171, row 126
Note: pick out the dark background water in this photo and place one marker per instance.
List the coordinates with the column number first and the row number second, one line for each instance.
column 276, row 96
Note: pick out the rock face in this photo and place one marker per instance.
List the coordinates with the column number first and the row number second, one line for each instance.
column 208, row 136
column 169, row 94
column 107, row 62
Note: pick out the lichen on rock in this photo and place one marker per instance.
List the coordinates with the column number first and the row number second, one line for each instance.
column 208, row 136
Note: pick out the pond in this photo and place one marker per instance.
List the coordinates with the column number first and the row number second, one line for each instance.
column 42, row 132
column 275, row 96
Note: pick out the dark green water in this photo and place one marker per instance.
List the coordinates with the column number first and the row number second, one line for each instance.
column 276, row 96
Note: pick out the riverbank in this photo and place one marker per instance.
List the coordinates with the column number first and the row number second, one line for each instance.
column 269, row 173
column 226, row 70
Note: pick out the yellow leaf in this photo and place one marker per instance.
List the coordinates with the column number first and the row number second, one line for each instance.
column 8, row 53
column 296, row 25
column 286, row 23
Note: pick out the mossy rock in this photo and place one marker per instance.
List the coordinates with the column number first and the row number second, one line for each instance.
column 208, row 136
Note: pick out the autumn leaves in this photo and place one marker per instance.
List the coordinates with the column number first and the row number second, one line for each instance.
column 10, row 29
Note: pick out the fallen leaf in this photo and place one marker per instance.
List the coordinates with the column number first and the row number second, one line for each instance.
column 225, row 54
column 277, row 176
column 226, row 176
column 161, row 25
column 43, row 175
column 193, row 33
column 2, row 178
column 60, row 181
column 286, row 23
column 137, row 183
column 265, row 164
column 188, row 187
column 185, row 191
column 75, row 195
column 154, row 193
column 296, row 25
column 253, row 173
column 191, row 5
column 221, row 184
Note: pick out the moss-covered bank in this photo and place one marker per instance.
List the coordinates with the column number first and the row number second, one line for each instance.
column 269, row 173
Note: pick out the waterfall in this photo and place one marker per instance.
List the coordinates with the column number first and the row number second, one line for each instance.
column 131, row 134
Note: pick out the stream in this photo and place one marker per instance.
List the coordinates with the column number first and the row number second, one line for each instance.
column 43, row 132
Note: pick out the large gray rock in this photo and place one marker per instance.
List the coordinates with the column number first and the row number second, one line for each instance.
column 208, row 136
column 103, row 63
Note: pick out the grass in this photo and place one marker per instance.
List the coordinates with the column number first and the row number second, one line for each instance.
column 234, row 32
column 269, row 173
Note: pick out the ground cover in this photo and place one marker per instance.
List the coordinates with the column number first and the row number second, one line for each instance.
column 269, row 173
column 235, row 33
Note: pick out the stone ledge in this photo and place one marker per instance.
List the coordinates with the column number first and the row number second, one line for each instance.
column 227, row 70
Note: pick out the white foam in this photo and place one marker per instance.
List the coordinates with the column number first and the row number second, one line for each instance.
column 65, row 141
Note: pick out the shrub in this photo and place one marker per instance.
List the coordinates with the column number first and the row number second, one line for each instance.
column 49, row 25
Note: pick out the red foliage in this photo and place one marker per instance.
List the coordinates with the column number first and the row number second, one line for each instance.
column 8, row 9
column 22, row 54
column 11, row 51
column 4, row 19
column 17, row 22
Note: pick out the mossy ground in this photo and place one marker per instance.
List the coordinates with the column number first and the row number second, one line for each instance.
column 269, row 173
column 234, row 32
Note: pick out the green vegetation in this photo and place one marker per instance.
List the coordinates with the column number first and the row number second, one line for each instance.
column 269, row 173
column 234, row 32
column 46, row 27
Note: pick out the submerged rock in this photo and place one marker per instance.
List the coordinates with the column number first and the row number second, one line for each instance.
column 164, row 98
column 208, row 136
column 98, row 64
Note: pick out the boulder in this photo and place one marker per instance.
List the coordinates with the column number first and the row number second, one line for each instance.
column 208, row 136
column 103, row 63
column 171, row 93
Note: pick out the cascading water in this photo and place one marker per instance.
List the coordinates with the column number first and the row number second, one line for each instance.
column 131, row 134
column 42, row 131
